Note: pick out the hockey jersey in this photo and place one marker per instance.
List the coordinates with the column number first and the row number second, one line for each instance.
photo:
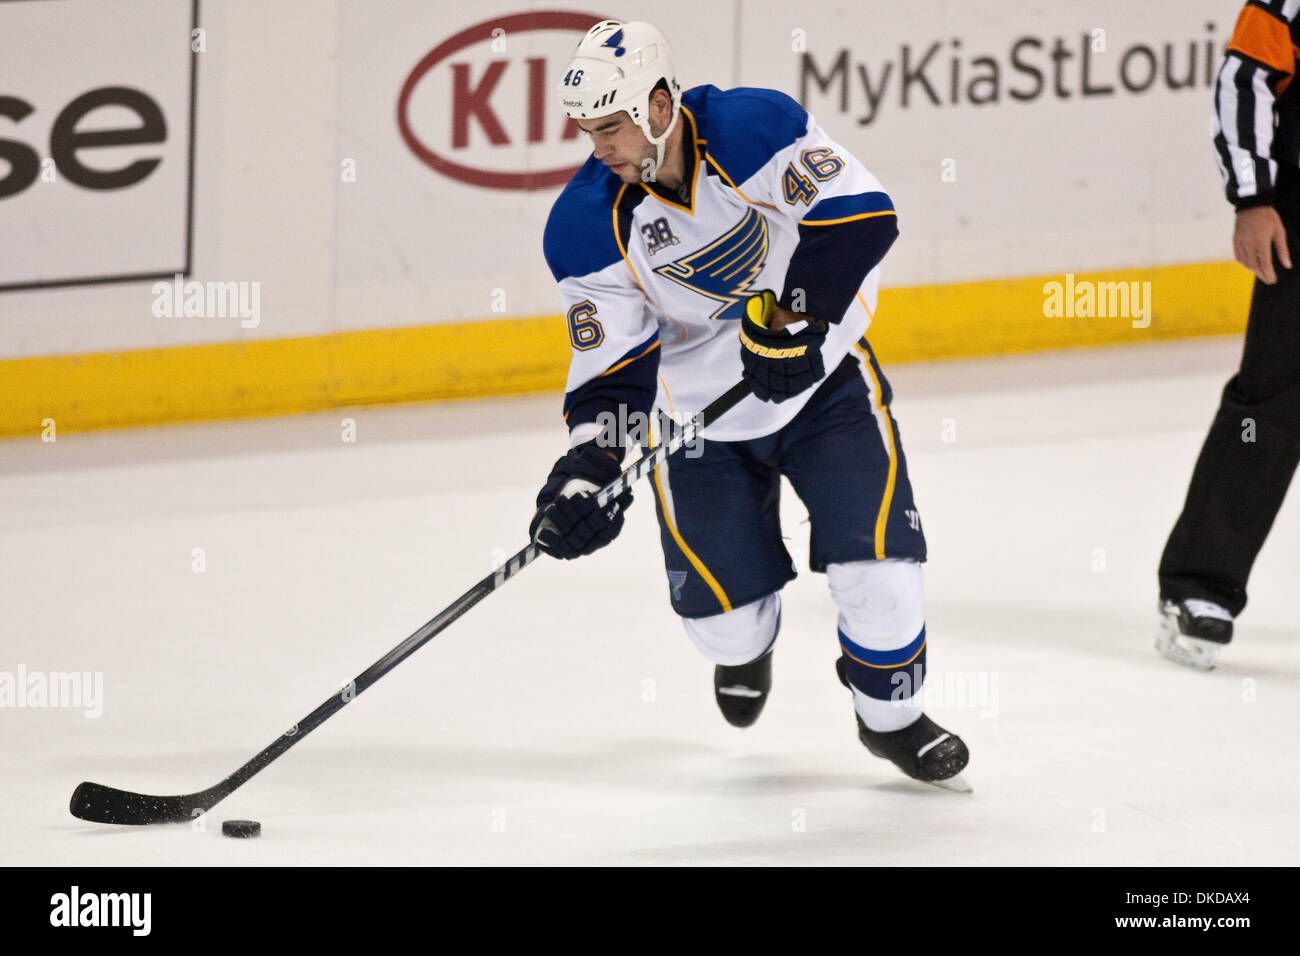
column 1256, row 119
column 654, row 280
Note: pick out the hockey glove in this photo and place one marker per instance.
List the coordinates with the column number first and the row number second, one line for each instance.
column 778, row 364
column 569, row 523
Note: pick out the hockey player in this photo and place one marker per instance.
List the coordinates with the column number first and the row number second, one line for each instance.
column 713, row 235
column 1253, row 445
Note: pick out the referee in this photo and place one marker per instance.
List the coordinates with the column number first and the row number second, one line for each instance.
column 1253, row 445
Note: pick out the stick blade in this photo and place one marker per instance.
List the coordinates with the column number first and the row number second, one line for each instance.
column 100, row 804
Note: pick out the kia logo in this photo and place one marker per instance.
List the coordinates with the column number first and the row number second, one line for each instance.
column 502, row 122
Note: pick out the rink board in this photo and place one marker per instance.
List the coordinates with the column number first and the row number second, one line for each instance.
column 279, row 376
column 386, row 205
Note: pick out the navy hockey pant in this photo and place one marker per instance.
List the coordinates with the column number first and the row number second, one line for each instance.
column 718, row 512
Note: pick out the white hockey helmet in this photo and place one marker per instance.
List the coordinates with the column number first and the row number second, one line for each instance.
column 615, row 68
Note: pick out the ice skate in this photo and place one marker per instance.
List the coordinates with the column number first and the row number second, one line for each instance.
column 923, row 750
column 1192, row 632
column 742, row 690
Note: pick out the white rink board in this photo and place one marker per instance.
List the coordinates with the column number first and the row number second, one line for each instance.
column 289, row 92
column 1044, row 183
column 416, row 245
column 82, row 211
column 1066, row 158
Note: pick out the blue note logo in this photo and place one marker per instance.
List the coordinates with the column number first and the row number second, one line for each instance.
column 615, row 42
column 724, row 269
column 675, row 580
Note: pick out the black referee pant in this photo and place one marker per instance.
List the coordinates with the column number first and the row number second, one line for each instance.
column 1249, row 455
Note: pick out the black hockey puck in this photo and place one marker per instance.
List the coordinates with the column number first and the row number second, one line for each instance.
column 241, row 828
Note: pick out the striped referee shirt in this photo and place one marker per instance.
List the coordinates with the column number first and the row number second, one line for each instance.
column 1256, row 121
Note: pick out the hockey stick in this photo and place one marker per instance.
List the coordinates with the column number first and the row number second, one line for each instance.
column 101, row 804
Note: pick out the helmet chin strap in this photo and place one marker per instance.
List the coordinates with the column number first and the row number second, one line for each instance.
column 660, row 140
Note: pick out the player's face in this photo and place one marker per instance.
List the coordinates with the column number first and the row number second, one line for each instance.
column 619, row 143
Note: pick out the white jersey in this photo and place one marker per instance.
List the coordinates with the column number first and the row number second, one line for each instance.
column 654, row 280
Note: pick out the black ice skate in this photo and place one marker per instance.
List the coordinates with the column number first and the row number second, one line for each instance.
column 742, row 691
column 924, row 750
column 1192, row 632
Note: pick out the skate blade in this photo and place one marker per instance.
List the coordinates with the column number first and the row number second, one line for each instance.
column 956, row 784
column 1188, row 651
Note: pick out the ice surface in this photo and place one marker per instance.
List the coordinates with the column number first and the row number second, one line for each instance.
column 567, row 719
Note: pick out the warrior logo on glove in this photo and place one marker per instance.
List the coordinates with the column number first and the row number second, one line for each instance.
column 779, row 364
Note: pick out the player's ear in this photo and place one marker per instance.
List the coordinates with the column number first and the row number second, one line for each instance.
column 663, row 103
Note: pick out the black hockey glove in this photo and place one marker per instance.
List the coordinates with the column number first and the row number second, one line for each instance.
column 569, row 523
column 778, row 364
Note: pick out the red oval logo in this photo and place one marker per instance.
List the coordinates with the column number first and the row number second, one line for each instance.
column 471, row 99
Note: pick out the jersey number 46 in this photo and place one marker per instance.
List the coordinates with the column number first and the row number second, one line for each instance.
column 821, row 163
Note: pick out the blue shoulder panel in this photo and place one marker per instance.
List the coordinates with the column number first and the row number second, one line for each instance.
column 843, row 207
column 579, row 236
column 743, row 128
